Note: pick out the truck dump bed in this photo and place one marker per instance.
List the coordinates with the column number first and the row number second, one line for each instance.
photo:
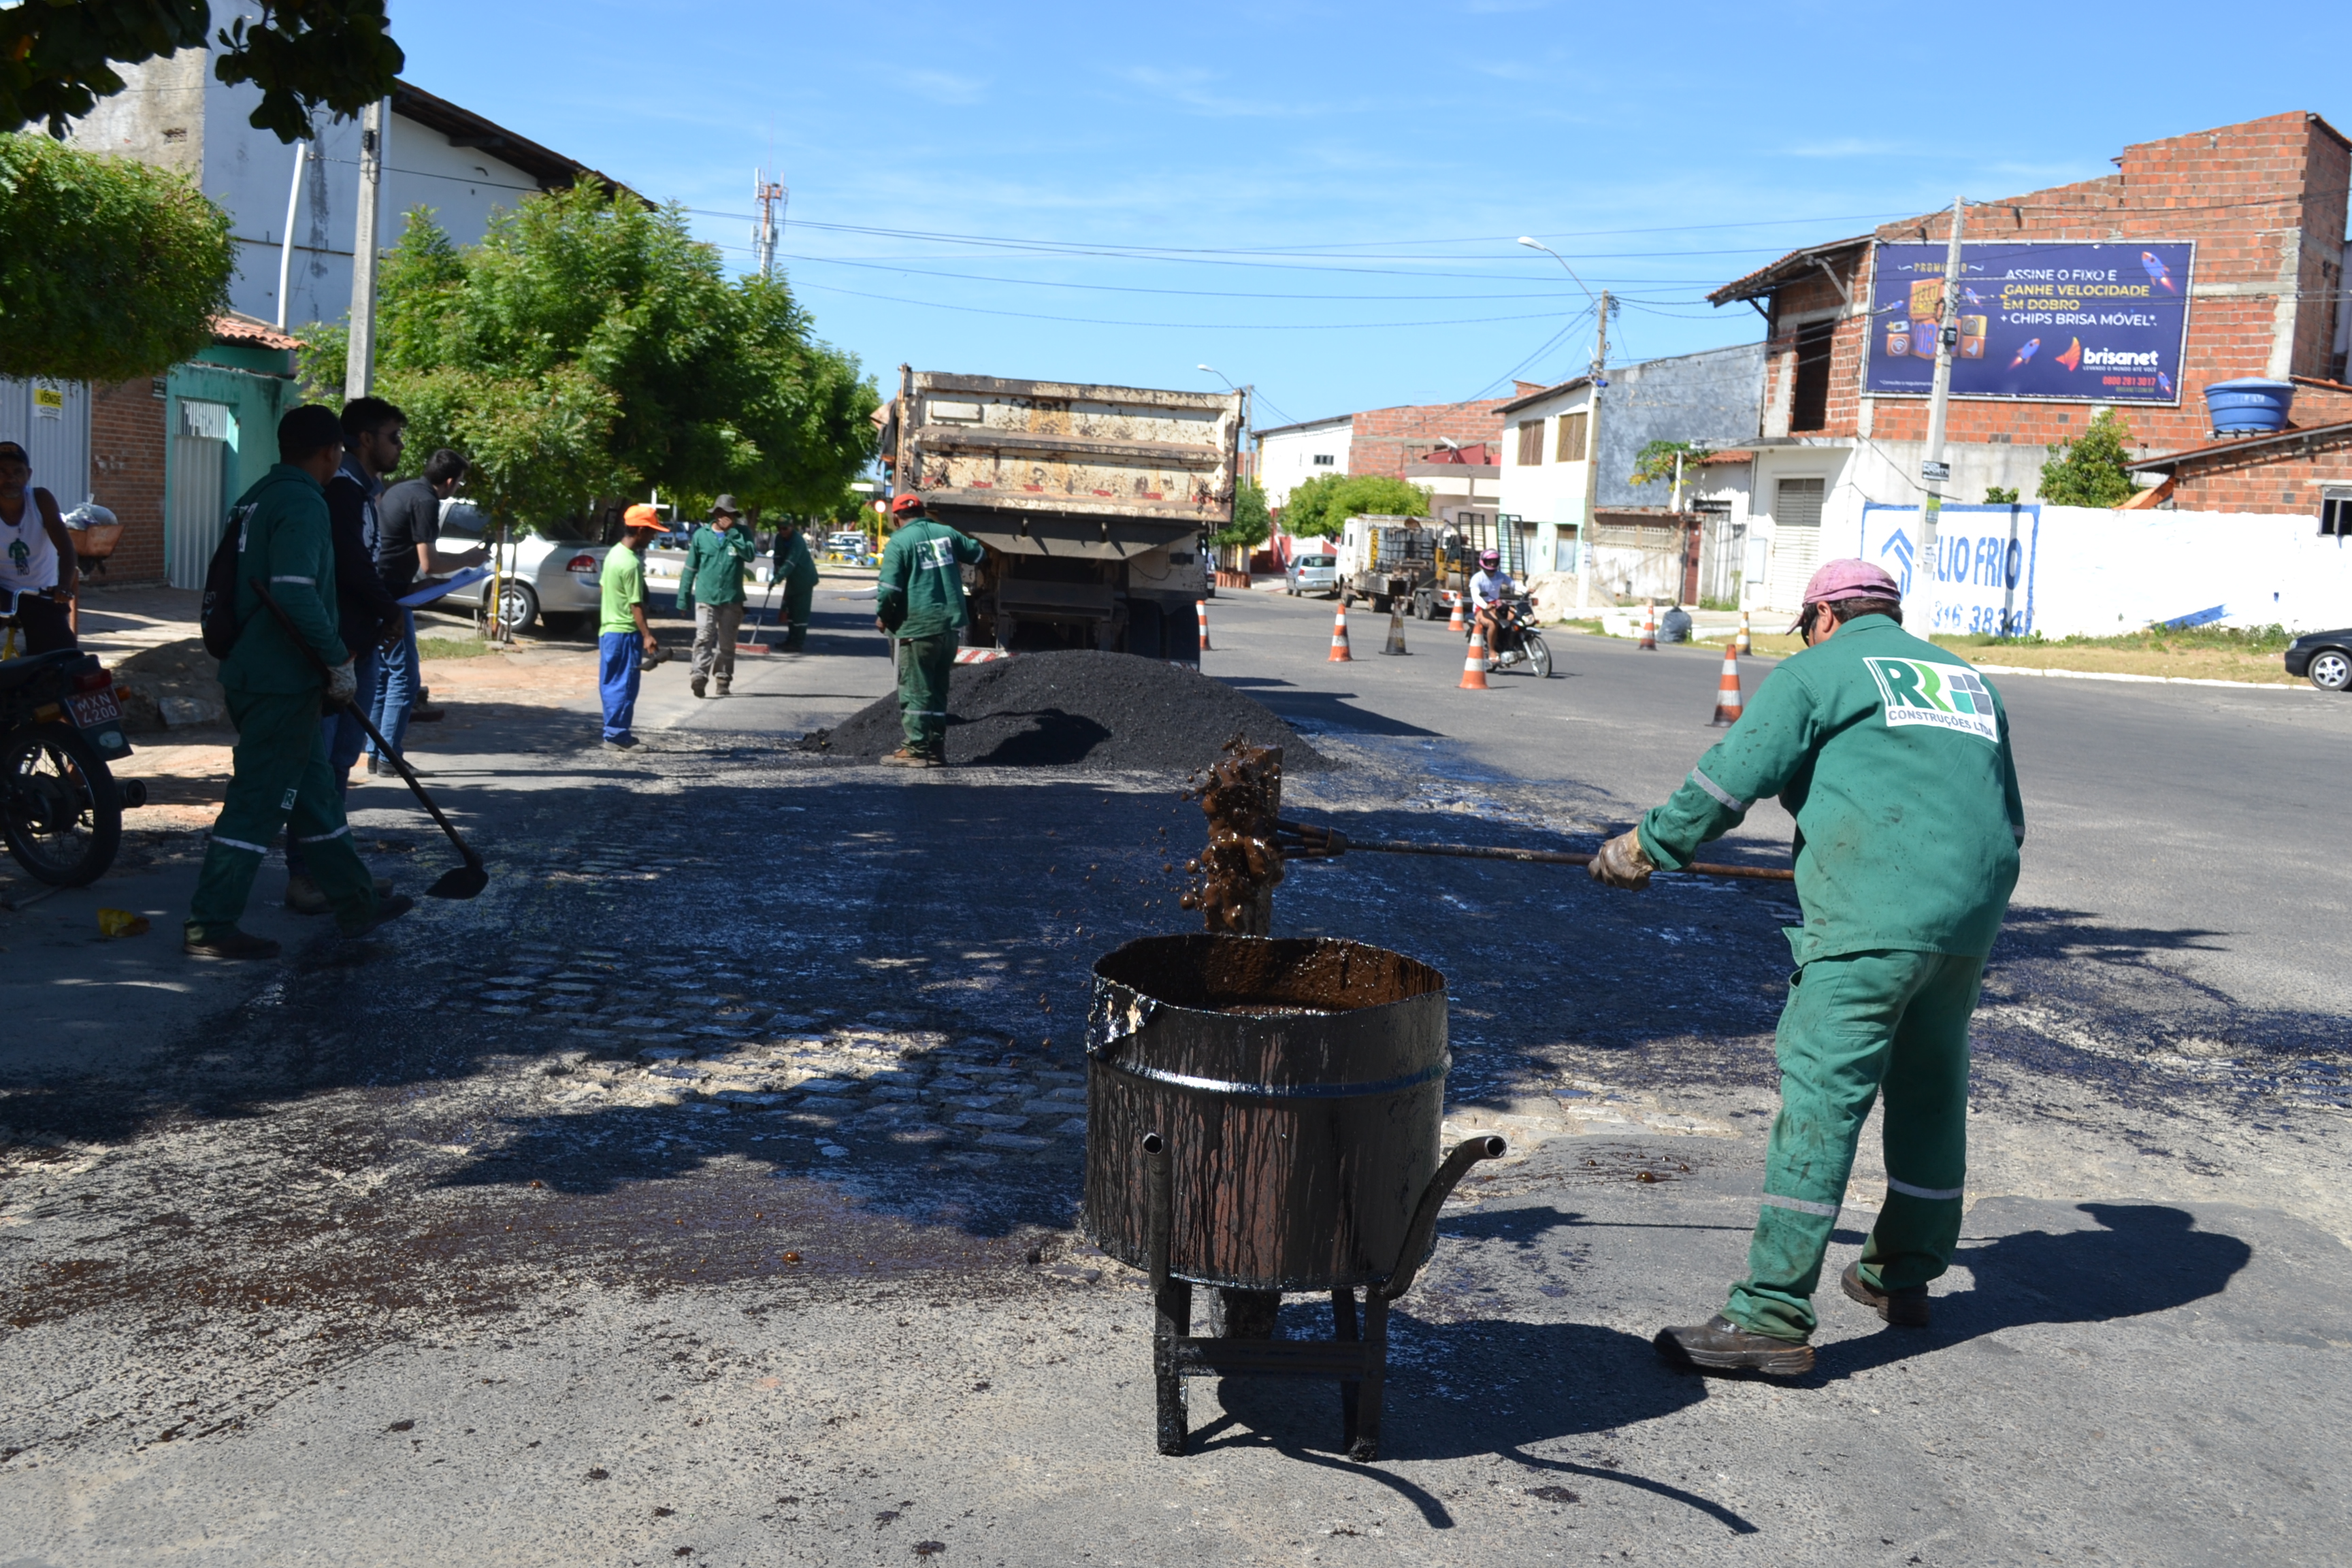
column 1092, row 500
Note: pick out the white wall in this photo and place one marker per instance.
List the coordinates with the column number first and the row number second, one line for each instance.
column 1286, row 457
column 2090, row 571
column 1548, row 494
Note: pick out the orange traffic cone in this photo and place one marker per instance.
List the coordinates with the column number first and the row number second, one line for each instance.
column 1457, row 623
column 1726, row 689
column 1743, row 645
column 1650, row 625
column 1340, row 654
column 1201, row 606
column 1474, row 664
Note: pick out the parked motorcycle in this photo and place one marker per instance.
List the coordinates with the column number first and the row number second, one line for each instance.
column 60, row 806
column 1516, row 640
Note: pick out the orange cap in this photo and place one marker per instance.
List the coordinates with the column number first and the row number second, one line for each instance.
column 642, row 516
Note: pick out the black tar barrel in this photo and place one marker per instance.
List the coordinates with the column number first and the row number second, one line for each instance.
column 1299, row 1086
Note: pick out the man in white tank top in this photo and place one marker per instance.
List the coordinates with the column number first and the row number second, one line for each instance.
column 36, row 558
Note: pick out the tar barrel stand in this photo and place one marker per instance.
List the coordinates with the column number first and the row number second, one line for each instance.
column 1263, row 1116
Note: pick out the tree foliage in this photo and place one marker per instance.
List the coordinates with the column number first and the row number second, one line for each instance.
column 109, row 268
column 2090, row 471
column 590, row 347
column 58, row 57
column 1322, row 505
column 1252, row 522
column 1654, row 463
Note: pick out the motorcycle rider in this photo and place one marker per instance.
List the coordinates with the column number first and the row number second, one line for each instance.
column 1490, row 589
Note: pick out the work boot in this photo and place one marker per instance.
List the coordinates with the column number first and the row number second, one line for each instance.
column 725, row 687
column 622, row 742
column 386, row 911
column 905, row 757
column 227, row 942
column 1721, row 1345
column 1905, row 1308
column 302, row 895
column 697, row 683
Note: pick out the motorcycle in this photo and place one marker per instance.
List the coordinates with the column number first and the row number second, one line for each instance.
column 1516, row 640
column 60, row 806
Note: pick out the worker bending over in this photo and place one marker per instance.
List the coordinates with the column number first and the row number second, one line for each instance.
column 1893, row 755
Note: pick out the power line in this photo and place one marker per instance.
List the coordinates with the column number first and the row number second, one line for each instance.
column 1187, row 326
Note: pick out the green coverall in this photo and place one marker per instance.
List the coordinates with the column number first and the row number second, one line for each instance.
column 1893, row 757
column 796, row 570
column 920, row 599
column 280, row 777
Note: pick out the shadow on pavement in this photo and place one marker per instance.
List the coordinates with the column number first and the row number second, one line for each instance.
column 1321, row 710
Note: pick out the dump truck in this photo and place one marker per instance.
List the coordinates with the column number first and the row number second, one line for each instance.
column 1093, row 504
column 1387, row 559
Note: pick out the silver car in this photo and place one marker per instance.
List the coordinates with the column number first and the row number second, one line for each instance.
column 555, row 581
column 666, row 562
column 1312, row 574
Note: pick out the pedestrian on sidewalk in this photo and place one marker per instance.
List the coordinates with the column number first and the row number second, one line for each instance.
column 795, row 571
column 280, row 777
column 367, row 617
column 37, row 556
column 710, row 585
column 623, row 641
column 919, row 602
column 1893, row 757
column 408, row 528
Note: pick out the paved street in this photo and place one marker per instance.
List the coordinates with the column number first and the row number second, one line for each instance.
column 707, row 1190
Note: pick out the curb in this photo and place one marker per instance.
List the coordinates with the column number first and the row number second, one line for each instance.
column 2140, row 680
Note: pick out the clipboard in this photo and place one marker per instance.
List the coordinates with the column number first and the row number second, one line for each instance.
column 426, row 596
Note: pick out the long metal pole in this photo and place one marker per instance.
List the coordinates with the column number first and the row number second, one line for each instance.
column 1932, row 471
column 286, row 248
column 1591, row 461
column 359, row 365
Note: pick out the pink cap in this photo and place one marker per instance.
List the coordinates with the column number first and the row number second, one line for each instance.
column 1849, row 579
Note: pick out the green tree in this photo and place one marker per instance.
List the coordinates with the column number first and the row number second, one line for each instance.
column 1252, row 522
column 2090, row 471
column 589, row 346
column 109, row 268
column 1320, row 506
column 58, row 57
column 1654, row 463
column 2001, row 495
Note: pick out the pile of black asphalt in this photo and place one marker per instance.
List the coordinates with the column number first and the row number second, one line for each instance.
column 1077, row 709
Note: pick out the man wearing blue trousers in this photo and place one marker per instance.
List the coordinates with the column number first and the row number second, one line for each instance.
column 624, row 640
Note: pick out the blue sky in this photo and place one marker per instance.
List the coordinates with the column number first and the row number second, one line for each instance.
column 1321, row 199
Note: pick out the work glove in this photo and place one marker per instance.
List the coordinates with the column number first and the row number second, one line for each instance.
column 1622, row 863
column 343, row 684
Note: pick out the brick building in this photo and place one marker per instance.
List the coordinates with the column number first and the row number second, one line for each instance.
column 1382, row 441
column 127, row 456
column 2263, row 202
column 2299, row 470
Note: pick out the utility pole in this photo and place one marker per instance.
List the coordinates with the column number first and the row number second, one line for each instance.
column 1592, row 460
column 1934, row 472
column 772, row 197
column 359, row 364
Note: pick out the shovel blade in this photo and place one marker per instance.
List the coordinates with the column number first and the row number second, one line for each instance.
column 463, row 883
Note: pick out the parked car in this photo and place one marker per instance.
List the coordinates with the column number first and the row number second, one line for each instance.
column 2324, row 658
column 665, row 562
column 549, row 579
column 850, row 548
column 1312, row 574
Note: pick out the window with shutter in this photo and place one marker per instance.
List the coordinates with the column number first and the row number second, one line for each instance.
column 1571, row 436
column 1531, row 444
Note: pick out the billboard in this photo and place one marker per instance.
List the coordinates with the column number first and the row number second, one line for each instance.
column 2057, row 322
column 1981, row 579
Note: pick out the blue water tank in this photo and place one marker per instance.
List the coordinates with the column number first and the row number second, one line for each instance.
column 2237, row 407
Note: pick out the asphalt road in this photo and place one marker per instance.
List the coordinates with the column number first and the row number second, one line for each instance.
column 707, row 1190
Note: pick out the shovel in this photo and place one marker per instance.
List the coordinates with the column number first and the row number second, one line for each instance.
column 1298, row 841
column 465, row 881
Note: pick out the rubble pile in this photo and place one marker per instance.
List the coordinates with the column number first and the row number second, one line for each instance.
column 1077, row 709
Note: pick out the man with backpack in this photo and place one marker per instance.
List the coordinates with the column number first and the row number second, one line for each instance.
column 280, row 542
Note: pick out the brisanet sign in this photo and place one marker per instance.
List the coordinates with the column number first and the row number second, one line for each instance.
column 2054, row 322
column 1981, row 577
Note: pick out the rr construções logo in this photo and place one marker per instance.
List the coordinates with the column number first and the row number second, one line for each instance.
column 1947, row 696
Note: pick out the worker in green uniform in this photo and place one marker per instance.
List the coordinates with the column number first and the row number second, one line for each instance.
column 795, row 570
column 710, row 589
column 1893, row 757
column 280, row 777
column 919, row 602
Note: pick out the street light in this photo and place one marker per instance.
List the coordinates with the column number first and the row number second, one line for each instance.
column 1534, row 244
column 1592, row 421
